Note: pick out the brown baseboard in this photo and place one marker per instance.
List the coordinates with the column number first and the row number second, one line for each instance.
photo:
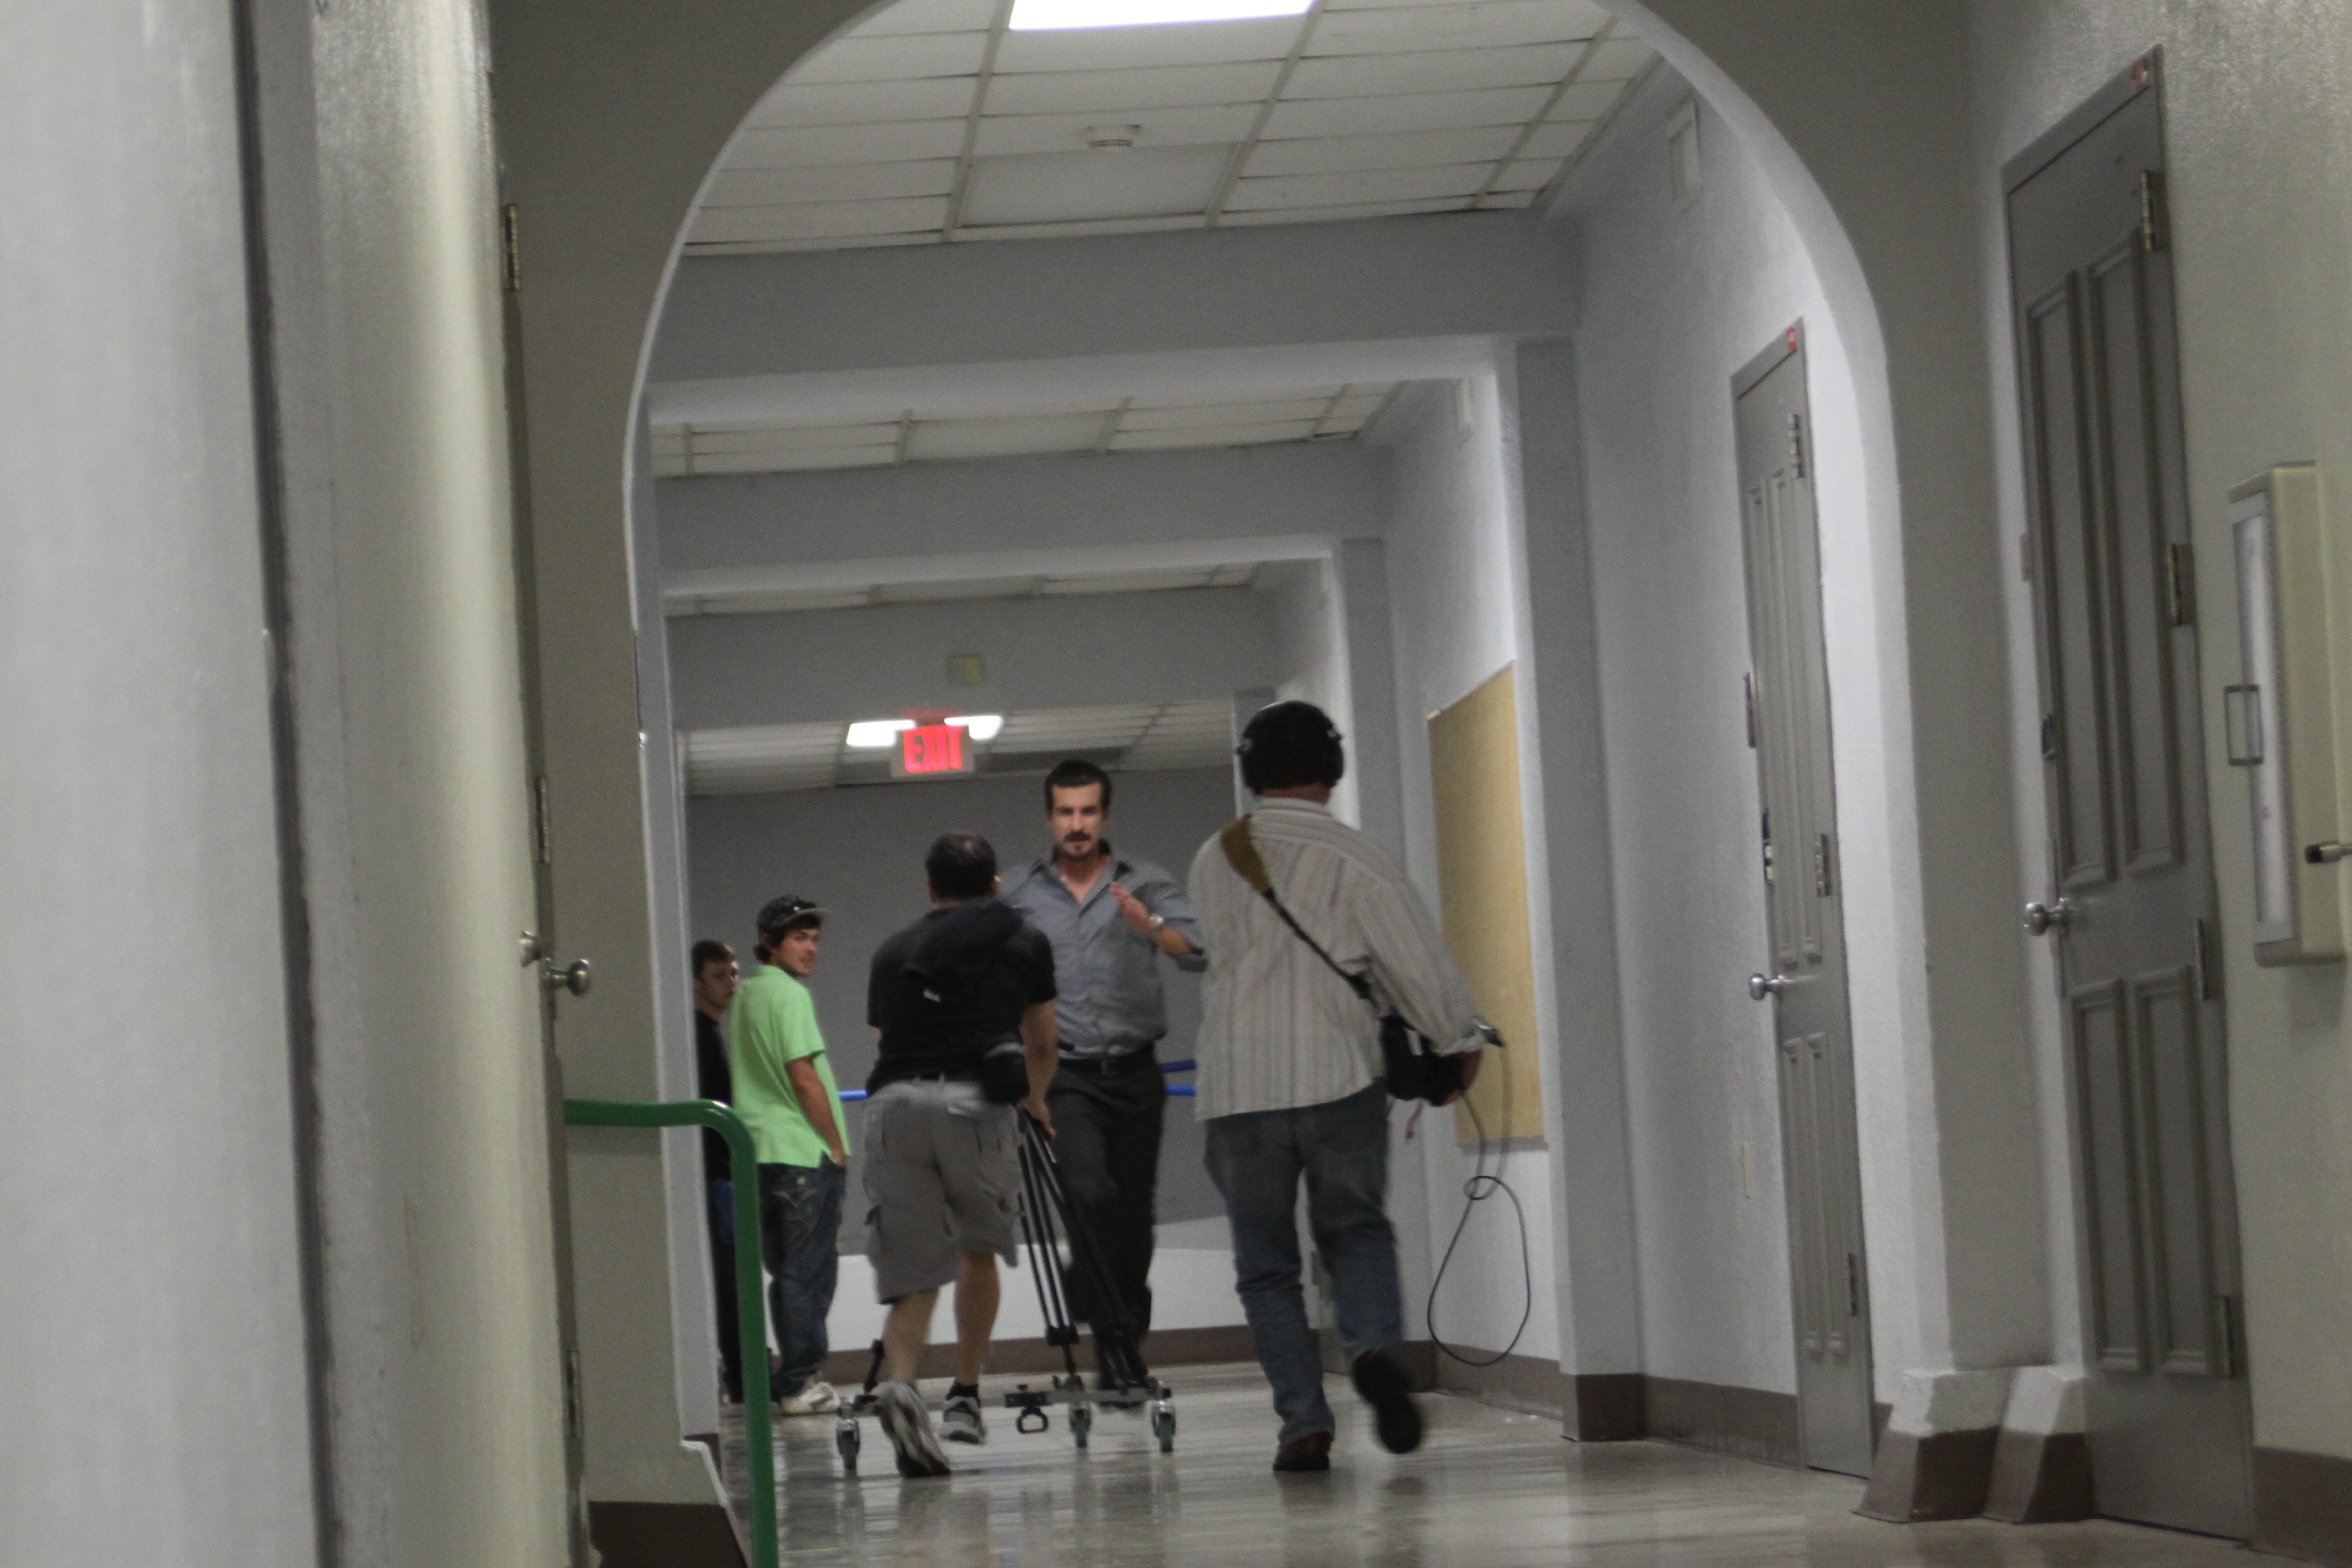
column 1164, row 1348
column 1609, row 1407
column 1748, row 1422
column 1944, row 1475
column 1515, row 1381
column 2303, row 1505
column 663, row 1535
column 2040, row 1479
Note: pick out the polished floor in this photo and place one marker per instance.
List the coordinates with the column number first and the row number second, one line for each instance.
column 1490, row 1489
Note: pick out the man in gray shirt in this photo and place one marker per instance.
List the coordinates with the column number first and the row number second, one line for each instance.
column 1110, row 919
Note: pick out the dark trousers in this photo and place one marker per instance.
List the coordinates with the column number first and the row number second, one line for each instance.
column 1106, row 1142
column 721, row 1212
column 800, row 1241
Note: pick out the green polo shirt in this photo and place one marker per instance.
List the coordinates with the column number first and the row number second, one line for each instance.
column 772, row 1022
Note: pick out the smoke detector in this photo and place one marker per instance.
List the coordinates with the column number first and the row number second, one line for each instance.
column 1112, row 137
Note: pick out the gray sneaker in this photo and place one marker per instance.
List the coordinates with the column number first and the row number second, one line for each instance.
column 960, row 1420
column 907, row 1424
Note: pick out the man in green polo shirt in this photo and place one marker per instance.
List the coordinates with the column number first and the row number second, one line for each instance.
column 785, row 1092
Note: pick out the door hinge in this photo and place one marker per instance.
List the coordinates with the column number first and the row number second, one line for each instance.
column 1748, row 700
column 2180, row 585
column 1824, row 874
column 1796, row 445
column 1770, row 875
column 2152, row 236
column 511, row 247
column 542, row 836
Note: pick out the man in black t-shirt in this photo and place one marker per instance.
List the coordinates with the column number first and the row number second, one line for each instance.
column 941, row 1156
column 714, row 977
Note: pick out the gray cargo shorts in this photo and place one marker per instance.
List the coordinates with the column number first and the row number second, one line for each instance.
column 943, row 1174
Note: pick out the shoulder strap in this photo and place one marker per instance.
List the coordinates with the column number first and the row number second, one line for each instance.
column 1240, row 846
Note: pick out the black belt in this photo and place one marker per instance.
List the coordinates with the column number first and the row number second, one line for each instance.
column 1118, row 1066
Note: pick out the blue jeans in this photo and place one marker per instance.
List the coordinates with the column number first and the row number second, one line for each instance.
column 1342, row 1150
column 800, row 1241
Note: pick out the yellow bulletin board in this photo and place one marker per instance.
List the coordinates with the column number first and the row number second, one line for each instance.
column 1482, row 879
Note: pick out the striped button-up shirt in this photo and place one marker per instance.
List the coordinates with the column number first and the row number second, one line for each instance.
column 1278, row 1029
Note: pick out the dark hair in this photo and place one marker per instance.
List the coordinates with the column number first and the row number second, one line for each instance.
column 961, row 866
column 1077, row 774
column 780, row 915
column 708, row 952
column 1287, row 744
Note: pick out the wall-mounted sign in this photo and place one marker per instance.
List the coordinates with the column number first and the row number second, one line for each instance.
column 928, row 751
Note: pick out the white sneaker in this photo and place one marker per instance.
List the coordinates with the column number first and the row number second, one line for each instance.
column 907, row 1424
column 960, row 1420
column 816, row 1397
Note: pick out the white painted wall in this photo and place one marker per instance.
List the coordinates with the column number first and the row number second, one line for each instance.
column 1455, row 554
column 2258, row 150
column 1674, row 303
column 152, row 1356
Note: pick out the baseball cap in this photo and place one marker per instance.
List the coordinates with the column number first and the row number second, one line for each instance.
column 782, row 914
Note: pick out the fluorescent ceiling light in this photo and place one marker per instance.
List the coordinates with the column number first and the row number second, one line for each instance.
column 1044, row 16
column 874, row 734
column 981, row 726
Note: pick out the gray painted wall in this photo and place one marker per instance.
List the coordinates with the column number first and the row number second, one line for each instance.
column 860, row 852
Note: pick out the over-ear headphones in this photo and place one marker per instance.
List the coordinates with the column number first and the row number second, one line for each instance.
column 1288, row 744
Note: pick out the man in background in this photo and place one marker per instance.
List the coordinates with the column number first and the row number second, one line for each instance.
column 965, row 989
column 1112, row 918
column 784, row 1091
column 715, row 978
column 1291, row 1069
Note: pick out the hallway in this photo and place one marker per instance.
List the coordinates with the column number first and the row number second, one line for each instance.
column 1490, row 1487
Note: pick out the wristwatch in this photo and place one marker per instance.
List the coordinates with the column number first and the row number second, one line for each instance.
column 1158, row 923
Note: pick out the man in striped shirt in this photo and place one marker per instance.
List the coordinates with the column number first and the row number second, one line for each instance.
column 1290, row 1072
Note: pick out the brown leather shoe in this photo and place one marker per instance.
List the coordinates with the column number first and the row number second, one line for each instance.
column 1311, row 1452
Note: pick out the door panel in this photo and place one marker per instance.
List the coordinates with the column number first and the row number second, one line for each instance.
column 2131, row 857
column 1789, row 719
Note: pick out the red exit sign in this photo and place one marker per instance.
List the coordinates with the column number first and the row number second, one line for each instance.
column 932, row 748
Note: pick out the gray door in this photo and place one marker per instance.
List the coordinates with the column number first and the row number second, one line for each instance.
column 1789, row 725
column 2131, row 901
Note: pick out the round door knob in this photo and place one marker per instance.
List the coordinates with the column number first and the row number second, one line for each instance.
column 1760, row 986
column 575, row 977
column 2041, row 920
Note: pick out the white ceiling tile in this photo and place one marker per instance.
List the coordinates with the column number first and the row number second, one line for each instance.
column 793, row 462
column 1326, row 154
column 1508, row 199
column 1410, row 111
column 1218, row 414
column 1128, row 582
column 1001, row 135
column 1211, row 436
column 1482, row 24
column 1052, row 187
column 933, row 440
column 1557, row 140
column 1095, row 406
column 1586, row 101
column 1112, row 49
column 1344, row 214
column 1079, row 230
column 1449, row 70
column 927, row 16
column 830, row 182
column 954, row 590
column 671, row 465
column 821, row 220
column 1228, row 400
column 892, row 59
column 1063, row 92
column 865, row 102
column 1528, row 174
column 1617, row 59
column 1357, row 187
column 1359, row 405
column 831, row 242
column 669, row 439
column 805, row 438
column 799, row 146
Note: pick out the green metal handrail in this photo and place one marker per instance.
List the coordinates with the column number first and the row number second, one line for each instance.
column 759, row 1439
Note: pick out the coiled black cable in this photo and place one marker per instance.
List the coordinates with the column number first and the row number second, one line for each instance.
column 1482, row 1186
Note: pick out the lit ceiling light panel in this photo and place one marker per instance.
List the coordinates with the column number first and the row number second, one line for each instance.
column 874, row 734
column 981, row 726
column 1045, row 15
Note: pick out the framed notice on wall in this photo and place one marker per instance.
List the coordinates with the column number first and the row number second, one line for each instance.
column 1482, row 879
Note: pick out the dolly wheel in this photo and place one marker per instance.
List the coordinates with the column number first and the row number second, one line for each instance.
column 1163, row 1425
column 845, row 1438
column 1082, row 1421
